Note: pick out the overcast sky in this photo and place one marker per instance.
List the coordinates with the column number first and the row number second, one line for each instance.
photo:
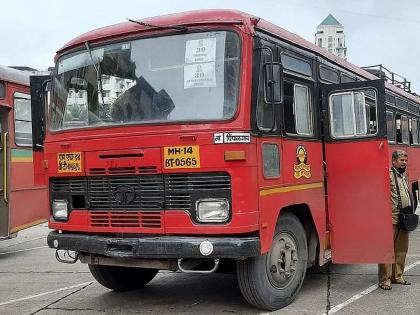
column 377, row 31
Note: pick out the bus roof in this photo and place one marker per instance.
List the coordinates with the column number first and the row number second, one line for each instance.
column 218, row 16
column 12, row 75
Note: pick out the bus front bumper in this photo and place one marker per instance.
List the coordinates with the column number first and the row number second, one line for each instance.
column 156, row 247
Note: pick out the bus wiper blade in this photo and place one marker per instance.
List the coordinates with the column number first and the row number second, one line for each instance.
column 175, row 27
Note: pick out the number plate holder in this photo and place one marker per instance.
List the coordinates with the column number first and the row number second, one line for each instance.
column 181, row 157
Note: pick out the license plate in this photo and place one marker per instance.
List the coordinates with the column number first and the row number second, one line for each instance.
column 181, row 157
column 70, row 162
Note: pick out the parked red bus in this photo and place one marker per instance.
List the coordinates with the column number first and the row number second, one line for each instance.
column 22, row 204
column 188, row 141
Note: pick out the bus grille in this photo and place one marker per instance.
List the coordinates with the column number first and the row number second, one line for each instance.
column 72, row 185
column 147, row 192
column 142, row 192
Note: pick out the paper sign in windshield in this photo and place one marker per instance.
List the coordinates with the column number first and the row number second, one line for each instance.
column 199, row 75
column 200, row 50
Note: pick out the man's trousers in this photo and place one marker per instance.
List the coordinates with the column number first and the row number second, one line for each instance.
column 394, row 272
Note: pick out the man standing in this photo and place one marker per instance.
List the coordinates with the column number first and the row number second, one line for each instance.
column 399, row 186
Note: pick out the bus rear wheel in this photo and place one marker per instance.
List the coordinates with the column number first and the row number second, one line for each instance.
column 122, row 278
column 272, row 281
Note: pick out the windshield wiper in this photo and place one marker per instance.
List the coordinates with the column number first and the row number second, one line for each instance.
column 98, row 75
column 175, row 27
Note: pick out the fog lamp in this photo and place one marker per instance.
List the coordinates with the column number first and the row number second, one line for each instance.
column 212, row 210
column 59, row 209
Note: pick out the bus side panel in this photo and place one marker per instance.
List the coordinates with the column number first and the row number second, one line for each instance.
column 413, row 161
column 28, row 203
column 292, row 189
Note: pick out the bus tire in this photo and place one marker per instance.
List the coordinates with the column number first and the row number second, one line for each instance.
column 122, row 278
column 265, row 281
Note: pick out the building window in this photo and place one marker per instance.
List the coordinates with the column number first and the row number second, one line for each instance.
column 330, row 41
column 105, row 79
column 23, row 119
column 320, row 42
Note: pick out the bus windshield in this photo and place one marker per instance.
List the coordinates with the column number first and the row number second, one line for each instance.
column 187, row 77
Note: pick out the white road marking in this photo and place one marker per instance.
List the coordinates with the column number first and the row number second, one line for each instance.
column 45, row 293
column 23, row 250
column 22, row 242
column 358, row 296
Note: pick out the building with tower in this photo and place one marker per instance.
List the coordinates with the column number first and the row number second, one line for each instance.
column 330, row 36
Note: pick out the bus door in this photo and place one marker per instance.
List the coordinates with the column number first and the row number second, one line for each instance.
column 357, row 172
column 40, row 93
column 4, row 202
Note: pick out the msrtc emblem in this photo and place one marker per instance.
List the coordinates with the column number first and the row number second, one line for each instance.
column 301, row 168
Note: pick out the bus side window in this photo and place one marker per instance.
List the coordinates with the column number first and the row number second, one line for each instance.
column 398, row 128
column 23, row 120
column 401, row 122
column 2, row 90
column 404, row 129
column 414, row 131
column 271, row 160
column 297, row 109
column 390, row 126
column 353, row 114
column 418, row 131
column 266, row 119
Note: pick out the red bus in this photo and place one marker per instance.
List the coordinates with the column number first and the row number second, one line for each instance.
column 22, row 204
column 194, row 140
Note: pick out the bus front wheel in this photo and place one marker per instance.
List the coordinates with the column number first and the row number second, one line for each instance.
column 272, row 281
column 122, row 278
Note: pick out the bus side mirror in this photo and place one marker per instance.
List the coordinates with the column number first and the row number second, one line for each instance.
column 40, row 90
column 273, row 82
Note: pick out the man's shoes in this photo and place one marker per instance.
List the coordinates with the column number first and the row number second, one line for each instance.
column 384, row 286
column 402, row 282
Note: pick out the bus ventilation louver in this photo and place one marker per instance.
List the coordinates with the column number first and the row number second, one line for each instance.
column 140, row 219
column 123, row 170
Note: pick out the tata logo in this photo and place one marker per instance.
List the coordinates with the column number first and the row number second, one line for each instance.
column 124, row 194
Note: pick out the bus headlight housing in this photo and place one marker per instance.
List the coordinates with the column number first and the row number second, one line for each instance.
column 212, row 210
column 60, row 209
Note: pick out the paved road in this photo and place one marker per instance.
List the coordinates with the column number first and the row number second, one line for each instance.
column 33, row 282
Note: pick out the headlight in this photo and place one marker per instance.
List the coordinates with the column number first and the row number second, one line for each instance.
column 212, row 210
column 59, row 209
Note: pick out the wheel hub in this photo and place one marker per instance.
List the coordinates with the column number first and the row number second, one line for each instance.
column 282, row 260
